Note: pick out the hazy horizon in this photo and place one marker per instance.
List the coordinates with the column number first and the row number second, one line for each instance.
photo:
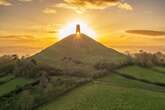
column 28, row 51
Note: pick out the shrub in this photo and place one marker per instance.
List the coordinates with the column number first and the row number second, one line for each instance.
column 7, row 63
column 25, row 101
column 26, row 68
column 147, row 59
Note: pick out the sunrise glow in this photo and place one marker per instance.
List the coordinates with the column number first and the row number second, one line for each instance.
column 71, row 27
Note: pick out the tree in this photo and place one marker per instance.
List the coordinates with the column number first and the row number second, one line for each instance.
column 144, row 59
column 7, row 63
column 147, row 59
column 26, row 68
column 25, row 101
column 43, row 80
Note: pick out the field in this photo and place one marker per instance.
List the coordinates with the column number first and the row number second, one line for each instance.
column 143, row 73
column 160, row 69
column 12, row 85
column 113, row 92
column 6, row 78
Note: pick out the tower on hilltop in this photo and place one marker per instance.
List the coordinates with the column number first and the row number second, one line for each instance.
column 77, row 29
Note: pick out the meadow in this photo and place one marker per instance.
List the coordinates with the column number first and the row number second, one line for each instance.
column 159, row 69
column 6, row 78
column 12, row 85
column 146, row 74
column 127, row 85
column 112, row 92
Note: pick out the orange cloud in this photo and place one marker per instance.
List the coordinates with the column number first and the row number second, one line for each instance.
column 17, row 37
column 147, row 32
column 81, row 6
column 8, row 2
column 5, row 3
column 49, row 11
column 125, row 6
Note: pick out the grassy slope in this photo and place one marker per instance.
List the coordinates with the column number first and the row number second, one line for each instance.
column 117, row 80
column 111, row 93
column 6, row 78
column 158, row 68
column 11, row 85
column 143, row 73
column 84, row 49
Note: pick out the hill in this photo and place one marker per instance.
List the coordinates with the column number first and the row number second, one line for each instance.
column 77, row 51
column 112, row 92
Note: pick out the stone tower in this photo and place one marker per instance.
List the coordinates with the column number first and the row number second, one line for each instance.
column 77, row 29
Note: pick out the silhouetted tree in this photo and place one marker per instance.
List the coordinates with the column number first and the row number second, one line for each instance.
column 26, row 68
column 25, row 101
column 43, row 80
column 147, row 59
column 7, row 63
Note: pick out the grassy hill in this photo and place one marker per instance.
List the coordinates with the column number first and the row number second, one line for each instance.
column 144, row 74
column 159, row 69
column 127, row 87
column 6, row 78
column 12, row 85
column 112, row 92
column 76, row 51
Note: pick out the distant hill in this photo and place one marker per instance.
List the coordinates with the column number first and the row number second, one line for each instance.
column 80, row 52
column 146, row 32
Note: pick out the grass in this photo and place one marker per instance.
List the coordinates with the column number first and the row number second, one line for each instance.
column 143, row 73
column 63, row 54
column 159, row 68
column 117, row 80
column 68, row 79
column 6, row 78
column 111, row 93
column 57, row 86
column 12, row 85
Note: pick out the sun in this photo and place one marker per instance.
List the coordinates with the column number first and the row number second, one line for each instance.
column 70, row 28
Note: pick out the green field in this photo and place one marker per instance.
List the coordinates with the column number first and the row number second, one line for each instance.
column 12, row 85
column 143, row 73
column 118, row 80
column 160, row 69
column 112, row 92
column 6, row 78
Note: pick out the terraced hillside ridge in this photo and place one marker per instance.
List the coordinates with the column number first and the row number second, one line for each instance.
column 77, row 51
column 12, row 85
column 145, row 74
column 6, row 78
column 159, row 69
column 112, row 92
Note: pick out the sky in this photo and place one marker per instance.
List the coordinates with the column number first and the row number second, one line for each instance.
column 28, row 26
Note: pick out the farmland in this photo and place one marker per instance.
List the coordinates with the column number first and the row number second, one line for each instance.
column 112, row 92
column 12, row 85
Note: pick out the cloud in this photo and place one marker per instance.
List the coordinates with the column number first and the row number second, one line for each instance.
column 8, row 2
column 146, row 32
column 81, row 6
column 18, row 37
column 52, row 32
column 125, row 6
column 5, row 3
column 49, row 11
column 24, row 0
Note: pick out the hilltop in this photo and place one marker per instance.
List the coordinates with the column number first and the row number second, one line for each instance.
column 77, row 52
